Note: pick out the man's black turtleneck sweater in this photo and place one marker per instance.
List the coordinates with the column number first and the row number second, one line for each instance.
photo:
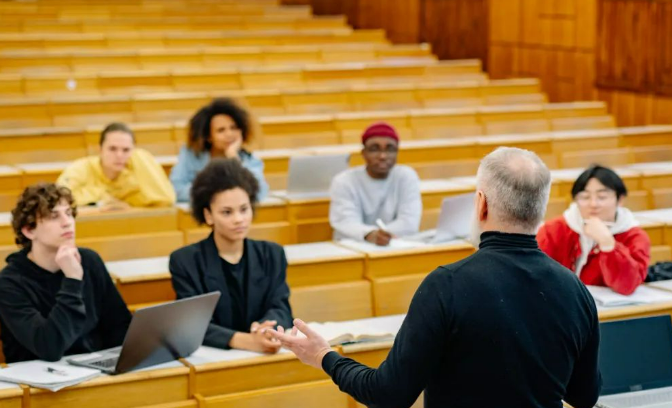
column 505, row 327
column 45, row 315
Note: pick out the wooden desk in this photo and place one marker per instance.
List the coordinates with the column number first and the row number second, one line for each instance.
column 220, row 372
column 141, row 388
column 142, row 280
column 322, row 263
column 629, row 312
column 92, row 223
column 11, row 395
column 6, row 230
column 10, row 187
column 653, row 219
column 384, row 262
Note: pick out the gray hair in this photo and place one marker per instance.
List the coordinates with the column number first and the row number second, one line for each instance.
column 516, row 184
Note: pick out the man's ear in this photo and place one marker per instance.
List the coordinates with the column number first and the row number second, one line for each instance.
column 28, row 232
column 481, row 206
column 208, row 217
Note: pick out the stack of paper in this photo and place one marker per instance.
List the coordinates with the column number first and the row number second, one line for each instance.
column 50, row 376
column 395, row 243
column 643, row 295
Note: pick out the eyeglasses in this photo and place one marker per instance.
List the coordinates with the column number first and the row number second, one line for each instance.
column 600, row 199
column 376, row 150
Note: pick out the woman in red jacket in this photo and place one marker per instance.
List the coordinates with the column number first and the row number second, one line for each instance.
column 596, row 238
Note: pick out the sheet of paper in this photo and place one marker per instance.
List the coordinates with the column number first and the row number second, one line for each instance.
column 206, row 354
column 137, row 267
column 643, row 295
column 315, row 250
column 395, row 244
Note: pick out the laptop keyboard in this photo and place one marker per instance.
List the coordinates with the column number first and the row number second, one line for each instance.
column 107, row 363
column 655, row 398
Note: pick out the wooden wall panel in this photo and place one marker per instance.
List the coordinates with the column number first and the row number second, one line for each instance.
column 664, row 36
column 456, row 29
column 625, row 55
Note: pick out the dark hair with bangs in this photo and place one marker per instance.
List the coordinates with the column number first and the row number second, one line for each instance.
column 604, row 175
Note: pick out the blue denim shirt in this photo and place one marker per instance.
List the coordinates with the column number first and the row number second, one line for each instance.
column 188, row 165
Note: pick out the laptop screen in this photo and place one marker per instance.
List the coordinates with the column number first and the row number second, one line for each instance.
column 636, row 354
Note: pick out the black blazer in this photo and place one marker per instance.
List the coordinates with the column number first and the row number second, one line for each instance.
column 197, row 269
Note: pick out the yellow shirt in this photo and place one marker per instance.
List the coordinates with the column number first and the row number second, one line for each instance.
column 143, row 183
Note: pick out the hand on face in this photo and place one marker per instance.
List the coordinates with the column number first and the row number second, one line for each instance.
column 232, row 152
column 70, row 261
column 597, row 230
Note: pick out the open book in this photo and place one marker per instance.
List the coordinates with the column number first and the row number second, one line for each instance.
column 350, row 332
column 643, row 295
column 50, row 376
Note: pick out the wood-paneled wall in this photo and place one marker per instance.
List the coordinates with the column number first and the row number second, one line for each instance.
column 574, row 45
column 454, row 28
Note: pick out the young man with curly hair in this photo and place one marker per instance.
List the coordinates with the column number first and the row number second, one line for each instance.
column 55, row 299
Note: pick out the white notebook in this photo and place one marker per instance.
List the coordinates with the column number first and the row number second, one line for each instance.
column 50, row 376
column 643, row 295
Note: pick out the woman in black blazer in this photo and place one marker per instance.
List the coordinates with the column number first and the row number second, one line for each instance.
column 249, row 274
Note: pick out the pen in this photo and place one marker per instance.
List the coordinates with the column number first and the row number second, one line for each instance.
column 56, row 371
column 381, row 224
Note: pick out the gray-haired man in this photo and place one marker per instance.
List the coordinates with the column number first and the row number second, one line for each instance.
column 505, row 327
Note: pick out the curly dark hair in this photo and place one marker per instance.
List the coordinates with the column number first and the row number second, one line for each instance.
column 220, row 175
column 199, row 125
column 36, row 202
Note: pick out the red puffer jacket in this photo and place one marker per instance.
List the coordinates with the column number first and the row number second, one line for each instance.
column 622, row 269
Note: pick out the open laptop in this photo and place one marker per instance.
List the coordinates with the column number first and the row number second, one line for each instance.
column 157, row 334
column 635, row 359
column 454, row 223
column 310, row 176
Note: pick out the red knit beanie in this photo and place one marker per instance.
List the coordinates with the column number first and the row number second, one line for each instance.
column 380, row 129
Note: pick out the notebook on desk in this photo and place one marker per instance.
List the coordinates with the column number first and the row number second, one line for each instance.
column 156, row 335
column 635, row 360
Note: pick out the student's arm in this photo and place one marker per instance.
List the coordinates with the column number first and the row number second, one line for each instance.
column 410, row 206
column 417, row 350
column 215, row 336
column 115, row 317
column 46, row 337
column 280, row 311
column 77, row 178
column 256, row 167
column 345, row 214
column 155, row 188
column 180, row 176
column 585, row 383
column 625, row 267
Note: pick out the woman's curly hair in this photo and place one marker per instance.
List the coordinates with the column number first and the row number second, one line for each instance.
column 34, row 203
column 199, row 125
column 220, row 175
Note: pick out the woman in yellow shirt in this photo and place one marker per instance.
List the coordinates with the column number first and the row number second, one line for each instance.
column 121, row 176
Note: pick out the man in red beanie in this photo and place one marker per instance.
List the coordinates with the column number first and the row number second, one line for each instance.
column 380, row 200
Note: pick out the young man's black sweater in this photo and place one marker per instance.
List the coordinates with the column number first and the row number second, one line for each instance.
column 505, row 327
column 45, row 315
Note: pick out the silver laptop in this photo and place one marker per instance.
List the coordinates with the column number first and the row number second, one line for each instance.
column 157, row 334
column 454, row 222
column 310, row 176
column 635, row 359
